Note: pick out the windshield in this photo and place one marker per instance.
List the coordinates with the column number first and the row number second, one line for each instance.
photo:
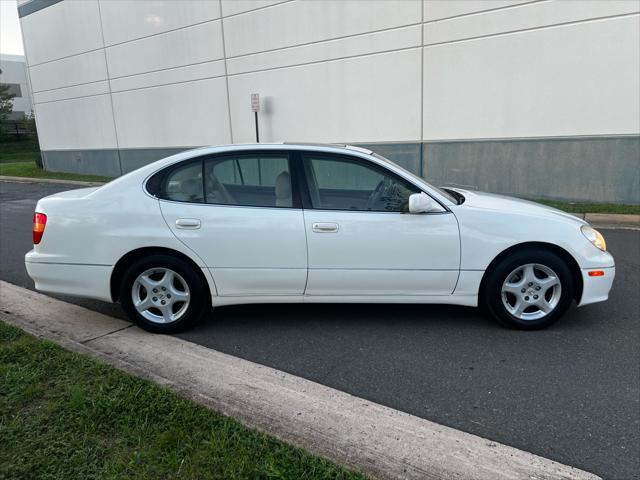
column 442, row 192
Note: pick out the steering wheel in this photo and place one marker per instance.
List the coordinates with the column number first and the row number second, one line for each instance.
column 377, row 193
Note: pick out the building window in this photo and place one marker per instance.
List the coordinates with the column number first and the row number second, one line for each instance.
column 14, row 89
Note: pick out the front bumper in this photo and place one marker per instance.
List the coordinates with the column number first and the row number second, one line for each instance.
column 596, row 289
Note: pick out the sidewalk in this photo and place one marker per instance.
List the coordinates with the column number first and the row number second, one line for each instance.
column 611, row 220
column 357, row 433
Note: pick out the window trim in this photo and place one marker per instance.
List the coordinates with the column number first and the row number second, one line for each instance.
column 303, row 157
column 237, row 155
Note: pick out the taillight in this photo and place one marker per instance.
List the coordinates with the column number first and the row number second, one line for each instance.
column 39, row 222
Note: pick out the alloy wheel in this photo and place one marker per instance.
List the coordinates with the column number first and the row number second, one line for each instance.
column 531, row 291
column 160, row 295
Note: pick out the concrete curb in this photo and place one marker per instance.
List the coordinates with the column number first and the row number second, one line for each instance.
column 604, row 220
column 362, row 435
column 7, row 178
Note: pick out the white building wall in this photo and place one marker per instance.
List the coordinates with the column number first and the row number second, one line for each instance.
column 539, row 69
column 64, row 50
column 171, row 74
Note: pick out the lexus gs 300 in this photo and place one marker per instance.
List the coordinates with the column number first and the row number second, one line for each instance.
column 277, row 223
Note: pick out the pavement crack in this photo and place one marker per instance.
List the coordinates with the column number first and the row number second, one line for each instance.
column 84, row 342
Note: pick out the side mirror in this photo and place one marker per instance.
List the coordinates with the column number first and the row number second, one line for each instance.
column 423, row 203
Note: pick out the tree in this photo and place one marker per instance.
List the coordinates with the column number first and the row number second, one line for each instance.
column 29, row 123
column 6, row 103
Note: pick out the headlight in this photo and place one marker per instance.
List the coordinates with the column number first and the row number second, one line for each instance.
column 594, row 237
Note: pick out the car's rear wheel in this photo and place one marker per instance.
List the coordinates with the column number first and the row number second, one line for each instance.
column 163, row 294
column 529, row 290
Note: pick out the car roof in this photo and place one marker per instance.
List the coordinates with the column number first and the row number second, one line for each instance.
column 286, row 146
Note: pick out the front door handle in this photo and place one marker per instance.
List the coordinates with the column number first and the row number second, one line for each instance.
column 325, row 227
column 188, row 223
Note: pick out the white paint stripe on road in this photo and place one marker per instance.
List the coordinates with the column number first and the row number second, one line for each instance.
column 362, row 435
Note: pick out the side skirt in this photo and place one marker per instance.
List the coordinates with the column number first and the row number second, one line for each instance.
column 465, row 300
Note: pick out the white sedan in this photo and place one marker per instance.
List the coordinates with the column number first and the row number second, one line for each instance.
column 284, row 223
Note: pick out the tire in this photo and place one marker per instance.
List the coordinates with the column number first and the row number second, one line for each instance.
column 184, row 292
column 528, row 290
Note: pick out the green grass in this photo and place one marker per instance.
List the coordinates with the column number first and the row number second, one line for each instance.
column 592, row 207
column 18, row 151
column 66, row 416
column 18, row 159
column 31, row 170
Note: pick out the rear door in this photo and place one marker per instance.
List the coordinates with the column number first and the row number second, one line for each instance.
column 242, row 216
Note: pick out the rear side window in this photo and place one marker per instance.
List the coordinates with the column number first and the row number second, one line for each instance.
column 256, row 180
column 183, row 183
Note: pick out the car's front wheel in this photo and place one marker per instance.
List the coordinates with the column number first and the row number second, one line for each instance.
column 529, row 290
column 163, row 294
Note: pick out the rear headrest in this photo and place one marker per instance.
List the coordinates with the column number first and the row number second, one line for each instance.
column 191, row 187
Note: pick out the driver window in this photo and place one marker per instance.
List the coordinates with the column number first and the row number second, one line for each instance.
column 342, row 184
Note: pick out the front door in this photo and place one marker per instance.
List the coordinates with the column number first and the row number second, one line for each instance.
column 363, row 242
column 240, row 215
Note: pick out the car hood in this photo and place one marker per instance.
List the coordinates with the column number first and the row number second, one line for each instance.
column 503, row 203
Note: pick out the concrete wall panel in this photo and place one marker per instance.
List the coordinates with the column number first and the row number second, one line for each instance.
column 294, row 23
column 580, row 79
column 84, row 90
column 93, row 162
column 531, row 15
column 197, row 44
column 396, row 39
column 82, row 123
column 185, row 114
column 592, row 169
column 133, row 158
column 70, row 71
column 407, row 155
column 199, row 71
column 125, row 20
column 355, row 100
column 234, row 7
column 437, row 9
column 64, row 29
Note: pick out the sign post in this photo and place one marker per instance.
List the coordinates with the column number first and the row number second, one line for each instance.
column 255, row 108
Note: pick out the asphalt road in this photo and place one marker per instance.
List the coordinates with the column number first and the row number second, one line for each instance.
column 570, row 393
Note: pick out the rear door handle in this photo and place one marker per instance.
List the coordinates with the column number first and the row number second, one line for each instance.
column 325, row 227
column 188, row 223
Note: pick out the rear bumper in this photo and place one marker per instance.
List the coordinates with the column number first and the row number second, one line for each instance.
column 90, row 281
column 596, row 289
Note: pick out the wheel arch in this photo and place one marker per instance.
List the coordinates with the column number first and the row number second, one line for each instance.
column 561, row 252
column 121, row 266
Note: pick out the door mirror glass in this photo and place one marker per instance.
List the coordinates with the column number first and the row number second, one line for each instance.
column 423, row 203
